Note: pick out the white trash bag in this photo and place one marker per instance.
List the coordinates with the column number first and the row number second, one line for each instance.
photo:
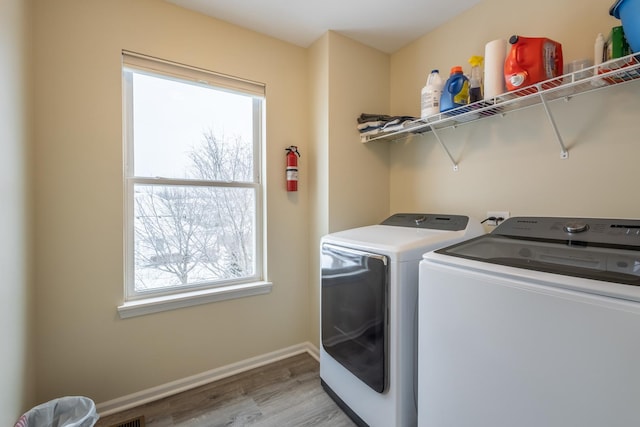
column 70, row 411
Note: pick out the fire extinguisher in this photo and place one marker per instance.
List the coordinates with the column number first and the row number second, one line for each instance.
column 292, row 168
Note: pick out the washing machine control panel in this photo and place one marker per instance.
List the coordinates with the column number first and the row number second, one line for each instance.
column 430, row 221
column 616, row 232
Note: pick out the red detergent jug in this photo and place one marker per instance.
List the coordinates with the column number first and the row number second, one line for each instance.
column 532, row 60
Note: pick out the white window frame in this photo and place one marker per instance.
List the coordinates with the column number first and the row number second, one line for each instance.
column 140, row 303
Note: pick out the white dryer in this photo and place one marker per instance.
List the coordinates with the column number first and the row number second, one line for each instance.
column 369, row 290
column 535, row 324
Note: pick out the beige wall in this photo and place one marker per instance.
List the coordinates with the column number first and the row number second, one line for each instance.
column 318, row 171
column 84, row 348
column 350, row 181
column 513, row 163
column 16, row 386
column 358, row 174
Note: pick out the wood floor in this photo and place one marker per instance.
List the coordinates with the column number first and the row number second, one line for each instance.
column 285, row 393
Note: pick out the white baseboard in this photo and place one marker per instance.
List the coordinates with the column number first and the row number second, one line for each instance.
column 188, row 383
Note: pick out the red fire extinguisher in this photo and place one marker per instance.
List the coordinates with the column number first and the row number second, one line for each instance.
column 292, row 168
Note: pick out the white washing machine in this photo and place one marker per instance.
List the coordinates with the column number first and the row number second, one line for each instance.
column 536, row 324
column 369, row 289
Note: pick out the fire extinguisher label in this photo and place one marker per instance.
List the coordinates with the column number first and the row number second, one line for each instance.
column 292, row 174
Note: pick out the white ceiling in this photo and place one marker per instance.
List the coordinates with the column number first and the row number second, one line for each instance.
column 384, row 25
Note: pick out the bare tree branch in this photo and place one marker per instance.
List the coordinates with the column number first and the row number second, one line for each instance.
column 199, row 233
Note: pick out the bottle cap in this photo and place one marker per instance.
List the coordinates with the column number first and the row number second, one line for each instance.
column 456, row 69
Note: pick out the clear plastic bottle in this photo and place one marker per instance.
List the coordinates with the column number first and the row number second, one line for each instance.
column 475, row 80
column 598, row 58
column 598, row 50
column 430, row 96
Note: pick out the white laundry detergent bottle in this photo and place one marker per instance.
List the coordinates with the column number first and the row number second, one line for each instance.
column 431, row 92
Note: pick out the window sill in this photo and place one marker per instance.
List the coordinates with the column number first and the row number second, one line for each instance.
column 188, row 299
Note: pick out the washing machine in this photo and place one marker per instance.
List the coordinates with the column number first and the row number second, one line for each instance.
column 535, row 324
column 369, row 289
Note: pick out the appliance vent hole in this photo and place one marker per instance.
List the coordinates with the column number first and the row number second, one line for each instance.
column 135, row 422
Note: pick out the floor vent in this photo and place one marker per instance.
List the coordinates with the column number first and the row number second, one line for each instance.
column 135, row 422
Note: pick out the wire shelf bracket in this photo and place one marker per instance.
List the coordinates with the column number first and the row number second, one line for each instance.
column 446, row 150
column 564, row 153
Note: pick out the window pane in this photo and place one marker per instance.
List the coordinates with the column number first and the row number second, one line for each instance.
column 183, row 130
column 188, row 235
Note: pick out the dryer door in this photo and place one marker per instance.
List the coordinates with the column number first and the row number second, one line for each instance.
column 354, row 300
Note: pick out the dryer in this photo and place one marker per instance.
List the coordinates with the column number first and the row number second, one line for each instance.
column 535, row 324
column 369, row 289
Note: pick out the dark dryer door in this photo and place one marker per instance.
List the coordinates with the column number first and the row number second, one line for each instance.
column 355, row 293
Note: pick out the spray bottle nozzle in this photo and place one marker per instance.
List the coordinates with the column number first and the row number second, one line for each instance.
column 476, row 60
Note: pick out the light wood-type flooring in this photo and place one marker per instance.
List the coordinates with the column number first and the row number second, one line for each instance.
column 284, row 393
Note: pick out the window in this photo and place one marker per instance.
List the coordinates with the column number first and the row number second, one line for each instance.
column 193, row 211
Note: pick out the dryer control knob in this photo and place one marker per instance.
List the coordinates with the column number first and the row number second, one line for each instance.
column 575, row 227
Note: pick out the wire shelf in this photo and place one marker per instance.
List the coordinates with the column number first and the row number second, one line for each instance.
column 607, row 74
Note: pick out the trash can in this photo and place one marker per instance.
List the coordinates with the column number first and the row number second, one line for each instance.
column 70, row 411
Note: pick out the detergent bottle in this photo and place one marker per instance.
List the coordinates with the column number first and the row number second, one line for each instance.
column 431, row 93
column 532, row 60
column 456, row 90
column 475, row 81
